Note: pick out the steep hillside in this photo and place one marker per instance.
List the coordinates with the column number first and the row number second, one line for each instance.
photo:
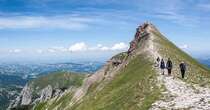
column 127, row 81
column 192, row 92
column 133, row 88
column 47, row 87
column 57, row 80
column 196, row 73
column 130, row 80
column 14, row 76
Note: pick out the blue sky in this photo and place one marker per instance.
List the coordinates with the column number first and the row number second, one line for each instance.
column 66, row 30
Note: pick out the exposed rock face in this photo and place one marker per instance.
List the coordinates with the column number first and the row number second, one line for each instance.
column 57, row 92
column 25, row 98
column 26, row 95
column 45, row 88
column 46, row 93
column 140, row 33
column 97, row 77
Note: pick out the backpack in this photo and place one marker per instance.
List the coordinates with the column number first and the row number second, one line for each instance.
column 169, row 64
column 162, row 64
column 182, row 66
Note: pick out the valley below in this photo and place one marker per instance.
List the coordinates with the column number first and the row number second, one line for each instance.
column 13, row 77
column 205, row 62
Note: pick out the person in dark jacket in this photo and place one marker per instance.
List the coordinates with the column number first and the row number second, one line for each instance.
column 169, row 66
column 158, row 62
column 162, row 66
column 182, row 66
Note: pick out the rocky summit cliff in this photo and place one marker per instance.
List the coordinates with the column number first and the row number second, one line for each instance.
column 131, row 81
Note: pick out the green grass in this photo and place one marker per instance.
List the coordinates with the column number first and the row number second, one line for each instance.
column 41, row 106
column 120, row 56
column 133, row 89
column 58, row 102
column 196, row 72
column 58, row 80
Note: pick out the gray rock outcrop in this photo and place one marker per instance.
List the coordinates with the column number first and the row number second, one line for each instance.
column 57, row 92
column 26, row 95
column 25, row 98
column 46, row 93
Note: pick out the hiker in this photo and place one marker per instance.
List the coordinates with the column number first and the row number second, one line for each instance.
column 157, row 62
column 169, row 66
column 182, row 66
column 162, row 66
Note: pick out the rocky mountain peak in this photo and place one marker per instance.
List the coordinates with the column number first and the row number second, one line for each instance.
column 142, row 31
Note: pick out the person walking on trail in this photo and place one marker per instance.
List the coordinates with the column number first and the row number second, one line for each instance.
column 162, row 66
column 169, row 66
column 158, row 62
column 182, row 66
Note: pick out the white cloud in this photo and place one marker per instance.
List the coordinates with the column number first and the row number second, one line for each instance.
column 96, row 47
column 15, row 51
column 39, row 51
column 104, row 48
column 76, row 47
column 51, row 50
column 64, row 22
column 81, row 46
column 99, row 45
column 119, row 46
column 185, row 46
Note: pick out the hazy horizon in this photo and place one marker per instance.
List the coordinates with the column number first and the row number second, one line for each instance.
column 95, row 30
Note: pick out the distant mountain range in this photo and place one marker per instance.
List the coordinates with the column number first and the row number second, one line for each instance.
column 205, row 61
column 31, row 70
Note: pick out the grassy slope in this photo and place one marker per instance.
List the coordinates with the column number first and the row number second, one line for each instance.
column 196, row 72
column 58, row 80
column 120, row 56
column 133, row 89
column 57, row 102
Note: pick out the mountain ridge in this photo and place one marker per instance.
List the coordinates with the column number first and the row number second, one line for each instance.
column 108, row 72
column 129, row 80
